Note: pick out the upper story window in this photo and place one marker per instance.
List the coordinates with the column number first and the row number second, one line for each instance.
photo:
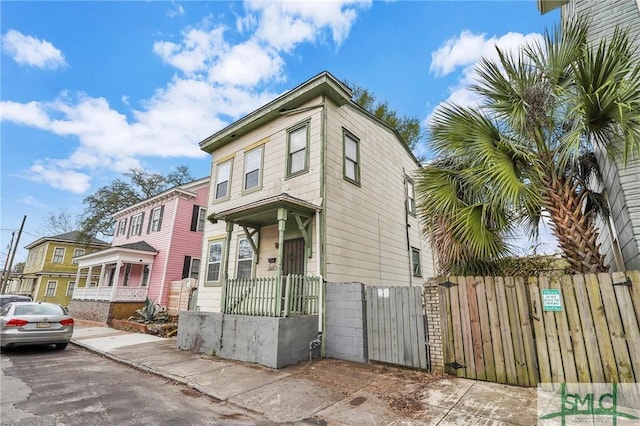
column 223, row 179
column 411, row 196
column 351, row 158
column 214, row 260
column 298, row 149
column 155, row 221
column 77, row 252
column 58, row 255
column 52, row 286
column 135, row 225
column 253, row 169
column 122, row 227
column 191, row 267
column 198, row 217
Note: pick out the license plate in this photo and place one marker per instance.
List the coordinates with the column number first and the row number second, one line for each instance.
column 43, row 325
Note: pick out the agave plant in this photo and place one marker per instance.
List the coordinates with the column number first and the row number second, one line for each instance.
column 150, row 313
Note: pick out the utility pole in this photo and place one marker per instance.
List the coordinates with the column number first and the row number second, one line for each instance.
column 6, row 262
column 13, row 255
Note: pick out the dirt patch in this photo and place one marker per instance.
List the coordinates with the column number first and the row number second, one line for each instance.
column 402, row 388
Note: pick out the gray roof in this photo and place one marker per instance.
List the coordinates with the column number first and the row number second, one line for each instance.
column 140, row 245
column 69, row 237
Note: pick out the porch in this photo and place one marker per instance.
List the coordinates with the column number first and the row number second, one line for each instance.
column 111, row 294
column 279, row 296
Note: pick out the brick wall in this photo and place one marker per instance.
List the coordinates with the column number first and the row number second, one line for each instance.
column 431, row 293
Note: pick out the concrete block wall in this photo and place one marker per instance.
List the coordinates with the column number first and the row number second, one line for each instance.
column 345, row 322
column 431, row 294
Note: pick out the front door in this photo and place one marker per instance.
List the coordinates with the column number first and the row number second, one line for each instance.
column 293, row 257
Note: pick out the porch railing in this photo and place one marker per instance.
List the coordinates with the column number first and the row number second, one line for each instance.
column 111, row 294
column 273, row 296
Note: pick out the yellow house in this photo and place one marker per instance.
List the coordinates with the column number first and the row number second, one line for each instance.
column 50, row 269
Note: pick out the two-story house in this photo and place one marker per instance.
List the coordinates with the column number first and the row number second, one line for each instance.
column 620, row 235
column 156, row 241
column 50, row 271
column 311, row 184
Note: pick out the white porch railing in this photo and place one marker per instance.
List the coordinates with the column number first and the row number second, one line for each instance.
column 111, row 294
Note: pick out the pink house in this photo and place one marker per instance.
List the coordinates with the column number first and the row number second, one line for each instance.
column 156, row 241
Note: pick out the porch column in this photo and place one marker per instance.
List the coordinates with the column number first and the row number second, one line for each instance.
column 225, row 267
column 116, row 278
column 282, row 223
column 87, row 283
column 101, row 277
column 77, row 282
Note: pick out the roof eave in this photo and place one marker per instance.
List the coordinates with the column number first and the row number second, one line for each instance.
column 545, row 6
column 322, row 84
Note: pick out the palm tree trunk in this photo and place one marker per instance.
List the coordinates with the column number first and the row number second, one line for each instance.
column 575, row 230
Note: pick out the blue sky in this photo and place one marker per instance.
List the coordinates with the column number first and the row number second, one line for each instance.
column 92, row 89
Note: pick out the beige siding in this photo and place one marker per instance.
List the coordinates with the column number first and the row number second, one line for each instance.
column 622, row 182
column 366, row 235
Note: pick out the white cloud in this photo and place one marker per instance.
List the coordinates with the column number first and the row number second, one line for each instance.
column 284, row 24
column 31, row 51
column 32, row 201
column 217, row 80
column 49, row 172
column 463, row 53
column 176, row 10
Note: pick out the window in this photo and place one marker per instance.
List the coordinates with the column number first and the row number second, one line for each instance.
column 51, row 288
column 202, row 215
column 70, row 287
column 145, row 276
column 198, row 216
column 223, row 177
column 252, row 166
column 122, row 227
column 135, row 226
column 155, row 220
column 411, row 197
column 415, row 262
column 214, row 261
column 191, row 267
column 351, row 158
column 297, row 150
column 127, row 274
column 245, row 259
column 58, row 255
column 77, row 253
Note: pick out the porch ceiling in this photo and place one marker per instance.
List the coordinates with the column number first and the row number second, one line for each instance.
column 130, row 253
column 265, row 212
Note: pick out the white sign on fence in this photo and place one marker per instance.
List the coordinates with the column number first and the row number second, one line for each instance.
column 551, row 299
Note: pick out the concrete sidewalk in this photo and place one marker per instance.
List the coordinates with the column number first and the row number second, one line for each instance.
column 328, row 392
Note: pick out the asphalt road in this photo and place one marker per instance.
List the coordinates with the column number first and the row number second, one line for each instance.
column 42, row 386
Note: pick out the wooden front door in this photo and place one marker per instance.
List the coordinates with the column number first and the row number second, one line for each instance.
column 293, row 257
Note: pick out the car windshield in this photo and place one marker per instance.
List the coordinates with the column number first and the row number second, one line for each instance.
column 37, row 309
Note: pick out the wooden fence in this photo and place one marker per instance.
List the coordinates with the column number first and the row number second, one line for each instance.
column 569, row 328
column 273, row 296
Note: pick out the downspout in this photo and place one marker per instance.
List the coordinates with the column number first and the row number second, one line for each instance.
column 406, row 227
column 323, row 228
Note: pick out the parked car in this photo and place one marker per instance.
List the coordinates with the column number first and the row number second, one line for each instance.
column 35, row 323
column 7, row 298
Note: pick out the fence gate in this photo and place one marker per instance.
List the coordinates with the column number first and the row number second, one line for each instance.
column 396, row 326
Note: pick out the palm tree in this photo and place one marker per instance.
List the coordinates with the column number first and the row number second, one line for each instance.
column 528, row 148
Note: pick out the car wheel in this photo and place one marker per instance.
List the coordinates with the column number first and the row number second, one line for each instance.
column 61, row 346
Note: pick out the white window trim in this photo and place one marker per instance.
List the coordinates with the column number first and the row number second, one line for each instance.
column 75, row 254
column 192, row 269
column 410, row 189
column 153, row 222
column 64, row 253
column 414, row 251
column 71, row 285
column 122, row 227
column 137, row 224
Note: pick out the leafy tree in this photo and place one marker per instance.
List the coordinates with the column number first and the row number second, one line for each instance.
column 137, row 185
column 528, row 148
column 407, row 127
column 18, row 267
